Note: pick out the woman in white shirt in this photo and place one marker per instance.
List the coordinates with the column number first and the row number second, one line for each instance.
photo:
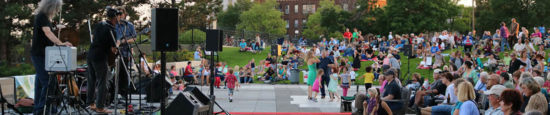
column 519, row 46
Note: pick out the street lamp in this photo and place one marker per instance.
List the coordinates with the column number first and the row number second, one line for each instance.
column 296, row 33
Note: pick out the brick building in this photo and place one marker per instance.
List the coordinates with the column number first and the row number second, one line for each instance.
column 295, row 12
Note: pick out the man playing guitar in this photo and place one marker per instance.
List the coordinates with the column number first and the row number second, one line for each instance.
column 97, row 60
column 126, row 35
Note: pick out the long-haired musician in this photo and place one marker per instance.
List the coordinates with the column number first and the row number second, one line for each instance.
column 126, row 35
column 98, row 54
column 43, row 36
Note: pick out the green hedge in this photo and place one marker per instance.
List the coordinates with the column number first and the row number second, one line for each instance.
column 17, row 69
column 181, row 55
column 197, row 35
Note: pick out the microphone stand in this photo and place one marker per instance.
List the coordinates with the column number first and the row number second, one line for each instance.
column 118, row 58
column 139, row 66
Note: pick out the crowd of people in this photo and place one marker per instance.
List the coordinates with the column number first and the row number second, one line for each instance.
column 509, row 81
column 483, row 74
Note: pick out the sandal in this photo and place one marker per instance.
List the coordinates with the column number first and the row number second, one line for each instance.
column 103, row 111
column 92, row 107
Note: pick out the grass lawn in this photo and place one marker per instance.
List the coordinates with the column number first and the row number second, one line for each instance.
column 232, row 57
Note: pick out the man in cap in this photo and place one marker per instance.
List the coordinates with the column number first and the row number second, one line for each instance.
column 104, row 43
column 392, row 91
column 494, row 100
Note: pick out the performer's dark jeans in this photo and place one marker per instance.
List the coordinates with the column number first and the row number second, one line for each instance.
column 98, row 73
column 324, row 84
column 40, row 83
column 124, row 78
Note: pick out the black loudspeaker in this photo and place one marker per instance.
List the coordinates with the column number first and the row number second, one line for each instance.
column 190, row 102
column 164, row 35
column 280, row 41
column 155, row 90
column 274, row 49
column 407, row 50
column 214, row 40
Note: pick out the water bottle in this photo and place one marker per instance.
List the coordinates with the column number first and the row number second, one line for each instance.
column 426, row 85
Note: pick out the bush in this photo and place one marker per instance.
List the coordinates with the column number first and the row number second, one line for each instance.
column 181, row 55
column 197, row 35
column 17, row 69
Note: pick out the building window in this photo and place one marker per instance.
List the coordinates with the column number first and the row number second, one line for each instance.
column 295, row 8
column 308, row 9
column 296, row 23
column 345, row 6
column 287, row 23
column 286, row 9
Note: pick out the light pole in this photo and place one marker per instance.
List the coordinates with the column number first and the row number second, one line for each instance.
column 295, row 33
column 473, row 15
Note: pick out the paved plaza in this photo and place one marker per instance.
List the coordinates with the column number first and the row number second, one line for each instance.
column 260, row 98
column 275, row 98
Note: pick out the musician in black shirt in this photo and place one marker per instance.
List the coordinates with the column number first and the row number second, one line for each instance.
column 98, row 54
column 43, row 36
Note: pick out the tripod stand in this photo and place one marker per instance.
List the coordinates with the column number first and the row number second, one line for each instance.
column 63, row 94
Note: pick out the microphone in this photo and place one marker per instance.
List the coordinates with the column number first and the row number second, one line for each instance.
column 142, row 41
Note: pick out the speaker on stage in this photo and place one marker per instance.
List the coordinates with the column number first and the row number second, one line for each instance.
column 155, row 90
column 164, row 26
column 214, row 40
column 189, row 102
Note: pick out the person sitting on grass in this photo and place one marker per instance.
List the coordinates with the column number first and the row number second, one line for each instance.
column 268, row 75
column 242, row 46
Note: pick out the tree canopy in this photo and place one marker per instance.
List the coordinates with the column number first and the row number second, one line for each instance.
column 529, row 13
column 230, row 18
column 198, row 13
column 419, row 15
column 263, row 17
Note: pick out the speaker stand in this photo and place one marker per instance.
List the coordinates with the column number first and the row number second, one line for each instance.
column 212, row 96
column 163, row 75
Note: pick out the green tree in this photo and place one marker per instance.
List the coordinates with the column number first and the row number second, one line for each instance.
column 462, row 23
column 529, row 13
column 263, row 17
column 73, row 14
column 314, row 25
column 230, row 18
column 15, row 26
column 198, row 13
column 419, row 15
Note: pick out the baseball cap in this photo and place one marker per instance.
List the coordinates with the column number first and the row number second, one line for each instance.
column 437, row 70
column 495, row 90
column 111, row 12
